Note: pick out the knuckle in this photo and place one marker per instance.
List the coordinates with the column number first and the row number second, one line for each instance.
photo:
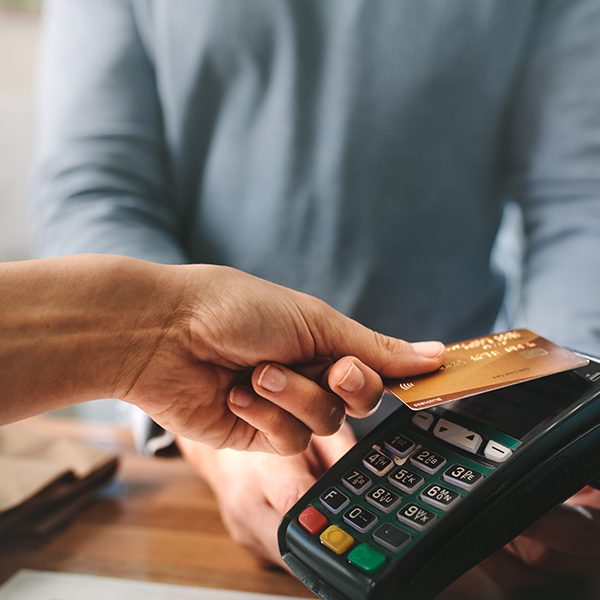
column 393, row 346
column 240, row 536
column 333, row 421
column 296, row 443
column 532, row 553
column 278, row 422
column 385, row 342
column 233, row 513
column 287, row 499
column 539, row 560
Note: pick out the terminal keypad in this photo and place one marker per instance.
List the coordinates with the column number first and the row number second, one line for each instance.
column 383, row 504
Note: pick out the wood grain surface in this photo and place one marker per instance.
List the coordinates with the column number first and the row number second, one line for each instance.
column 156, row 522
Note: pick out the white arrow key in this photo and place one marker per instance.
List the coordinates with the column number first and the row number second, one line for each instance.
column 457, row 436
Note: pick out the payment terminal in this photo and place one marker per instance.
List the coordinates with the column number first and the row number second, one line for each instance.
column 427, row 495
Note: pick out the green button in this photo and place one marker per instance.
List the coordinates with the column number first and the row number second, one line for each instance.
column 366, row 559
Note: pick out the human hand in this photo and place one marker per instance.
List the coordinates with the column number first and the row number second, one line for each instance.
column 562, row 547
column 564, row 543
column 219, row 375
column 255, row 490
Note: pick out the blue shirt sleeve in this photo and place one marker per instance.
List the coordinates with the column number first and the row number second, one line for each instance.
column 554, row 173
column 101, row 181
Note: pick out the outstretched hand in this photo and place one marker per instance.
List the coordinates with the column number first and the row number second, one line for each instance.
column 250, row 365
column 559, row 552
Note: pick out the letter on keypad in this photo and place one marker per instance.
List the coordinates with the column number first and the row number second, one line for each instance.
column 356, row 481
column 439, row 496
column 427, row 461
column 416, row 516
column 406, row 480
column 334, row 500
column 462, row 476
column 383, row 499
column 378, row 462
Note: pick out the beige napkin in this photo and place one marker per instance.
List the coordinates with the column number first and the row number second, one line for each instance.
column 43, row 480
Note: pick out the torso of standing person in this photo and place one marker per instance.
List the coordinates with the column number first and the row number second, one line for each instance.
column 357, row 150
column 351, row 149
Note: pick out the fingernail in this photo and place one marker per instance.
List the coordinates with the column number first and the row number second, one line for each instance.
column 240, row 397
column 428, row 349
column 353, row 380
column 272, row 379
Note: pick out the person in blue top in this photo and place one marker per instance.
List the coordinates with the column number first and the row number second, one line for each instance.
column 359, row 151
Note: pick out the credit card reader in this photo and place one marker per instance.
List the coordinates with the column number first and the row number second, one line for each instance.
column 427, row 495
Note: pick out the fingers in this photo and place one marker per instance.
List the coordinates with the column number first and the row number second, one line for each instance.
column 357, row 384
column 566, row 541
column 259, row 533
column 320, row 410
column 295, row 472
column 337, row 335
column 285, row 406
column 570, row 529
column 266, row 535
column 253, row 524
column 276, row 430
column 253, row 498
column 513, row 576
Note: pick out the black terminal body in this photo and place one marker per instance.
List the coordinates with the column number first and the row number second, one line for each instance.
column 427, row 495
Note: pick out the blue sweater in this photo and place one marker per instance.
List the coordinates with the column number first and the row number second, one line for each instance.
column 358, row 150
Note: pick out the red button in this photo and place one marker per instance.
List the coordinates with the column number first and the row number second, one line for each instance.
column 312, row 520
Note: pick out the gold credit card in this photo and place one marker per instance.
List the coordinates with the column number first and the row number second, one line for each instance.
column 483, row 364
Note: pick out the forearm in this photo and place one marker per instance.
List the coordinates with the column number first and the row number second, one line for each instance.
column 78, row 328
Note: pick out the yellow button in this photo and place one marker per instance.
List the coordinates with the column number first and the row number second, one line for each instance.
column 336, row 539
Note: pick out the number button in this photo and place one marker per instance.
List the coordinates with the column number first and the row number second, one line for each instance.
column 439, row 496
column 428, row 461
column 391, row 537
column 382, row 499
column 356, row 481
column 415, row 516
column 400, row 445
column 378, row 462
column 360, row 518
column 462, row 476
column 334, row 500
column 406, row 480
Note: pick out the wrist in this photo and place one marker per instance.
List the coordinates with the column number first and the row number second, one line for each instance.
column 79, row 328
column 140, row 308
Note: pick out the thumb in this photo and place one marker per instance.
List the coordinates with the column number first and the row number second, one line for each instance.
column 337, row 335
